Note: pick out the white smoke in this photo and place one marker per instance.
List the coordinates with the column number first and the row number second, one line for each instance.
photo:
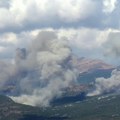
column 108, row 85
column 112, row 84
column 43, row 70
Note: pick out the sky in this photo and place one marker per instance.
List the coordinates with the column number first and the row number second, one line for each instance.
column 92, row 27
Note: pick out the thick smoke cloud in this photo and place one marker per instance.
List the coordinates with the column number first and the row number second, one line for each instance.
column 41, row 71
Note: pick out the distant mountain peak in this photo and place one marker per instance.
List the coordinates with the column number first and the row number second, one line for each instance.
column 85, row 64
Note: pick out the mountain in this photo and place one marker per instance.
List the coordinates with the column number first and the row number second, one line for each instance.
column 74, row 104
column 85, row 65
column 90, row 69
column 96, row 108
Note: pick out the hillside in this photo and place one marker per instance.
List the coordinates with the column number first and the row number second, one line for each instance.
column 73, row 105
column 96, row 108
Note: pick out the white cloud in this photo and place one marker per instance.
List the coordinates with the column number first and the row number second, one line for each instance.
column 25, row 14
column 109, row 5
column 6, row 19
column 9, row 38
column 85, row 38
column 9, row 42
column 112, row 45
column 94, row 43
column 67, row 11
column 86, row 42
column 74, row 10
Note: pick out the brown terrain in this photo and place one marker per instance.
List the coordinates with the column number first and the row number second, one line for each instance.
column 86, row 65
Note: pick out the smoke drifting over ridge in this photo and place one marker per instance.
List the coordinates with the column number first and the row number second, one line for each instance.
column 109, row 85
column 112, row 84
column 41, row 71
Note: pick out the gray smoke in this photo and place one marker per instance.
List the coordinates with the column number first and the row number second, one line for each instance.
column 41, row 71
column 109, row 85
column 112, row 84
column 6, row 72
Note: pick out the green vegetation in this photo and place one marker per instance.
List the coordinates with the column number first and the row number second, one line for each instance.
column 94, row 108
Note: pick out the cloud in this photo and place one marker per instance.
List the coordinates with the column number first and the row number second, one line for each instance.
column 31, row 14
column 112, row 44
column 20, row 13
column 109, row 5
column 4, row 3
column 87, row 42
column 76, row 10
column 94, row 43
column 82, row 38
column 111, row 47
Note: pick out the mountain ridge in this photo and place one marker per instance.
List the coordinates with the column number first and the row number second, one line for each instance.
column 86, row 64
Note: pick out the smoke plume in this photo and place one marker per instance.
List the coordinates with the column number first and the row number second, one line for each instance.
column 112, row 84
column 41, row 71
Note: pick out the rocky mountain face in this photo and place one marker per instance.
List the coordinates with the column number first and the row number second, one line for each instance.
column 85, row 65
